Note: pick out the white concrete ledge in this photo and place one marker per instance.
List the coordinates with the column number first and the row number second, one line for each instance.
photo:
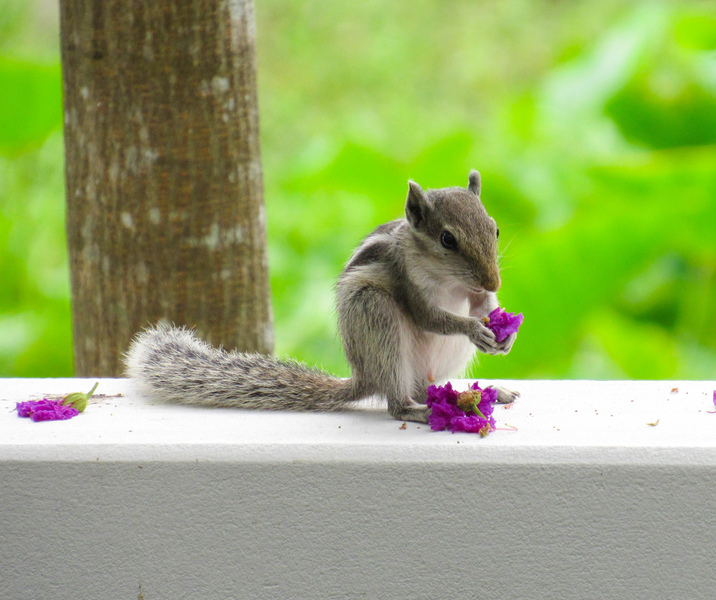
column 584, row 500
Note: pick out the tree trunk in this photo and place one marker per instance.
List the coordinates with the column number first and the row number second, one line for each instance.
column 165, row 214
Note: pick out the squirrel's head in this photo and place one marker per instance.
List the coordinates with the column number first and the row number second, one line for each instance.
column 454, row 230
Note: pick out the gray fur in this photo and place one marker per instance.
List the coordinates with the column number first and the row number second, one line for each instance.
column 475, row 183
column 172, row 364
column 409, row 313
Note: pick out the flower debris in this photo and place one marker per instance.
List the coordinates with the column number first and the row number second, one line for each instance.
column 469, row 412
column 55, row 410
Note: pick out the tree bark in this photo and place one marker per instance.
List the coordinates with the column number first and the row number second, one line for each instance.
column 165, row 214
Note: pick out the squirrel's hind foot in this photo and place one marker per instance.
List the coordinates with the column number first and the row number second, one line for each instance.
column 418, row 413
column 504, row 395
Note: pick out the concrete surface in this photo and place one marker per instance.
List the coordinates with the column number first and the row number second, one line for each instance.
column 584, row 499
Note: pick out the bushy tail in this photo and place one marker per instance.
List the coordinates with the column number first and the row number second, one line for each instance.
column 172, row 364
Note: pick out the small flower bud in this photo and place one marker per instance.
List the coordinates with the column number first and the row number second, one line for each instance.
column 467, row 400
column 78, row 400
column 485, row 430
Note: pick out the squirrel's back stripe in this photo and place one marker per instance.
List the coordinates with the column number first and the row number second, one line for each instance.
column 375, row 247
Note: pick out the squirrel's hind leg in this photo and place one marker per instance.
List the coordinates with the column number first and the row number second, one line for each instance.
column 408, row 411
column 376, row 340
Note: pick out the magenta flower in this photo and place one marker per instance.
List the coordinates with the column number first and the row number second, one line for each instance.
column 55, row 410
column 469, row 411
column 503, row 324
column 46, row 410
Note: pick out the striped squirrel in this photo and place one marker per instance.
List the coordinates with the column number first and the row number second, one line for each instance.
column 410, row 304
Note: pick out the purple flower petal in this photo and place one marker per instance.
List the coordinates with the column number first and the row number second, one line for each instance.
column 446, row 414
column 504, row 324
column 467, row 423
column 440, row 418
column 443, row 394
column 45, row 410
column 486, row 405
column 24, row 409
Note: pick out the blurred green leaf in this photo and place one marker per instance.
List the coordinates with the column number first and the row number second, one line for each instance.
column 665, row 108
column 14, row 14
column 640, row 349
column 583, row 85
column 31, row 101
column 356, row 169
column 444, row 163
column 696, row 31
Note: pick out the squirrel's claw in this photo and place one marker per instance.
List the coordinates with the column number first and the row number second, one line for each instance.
column 484, row 339
column 505, row 345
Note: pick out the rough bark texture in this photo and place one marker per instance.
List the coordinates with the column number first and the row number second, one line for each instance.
column 165, row 214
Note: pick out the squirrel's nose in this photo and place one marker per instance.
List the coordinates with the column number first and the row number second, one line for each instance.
column 493, row 283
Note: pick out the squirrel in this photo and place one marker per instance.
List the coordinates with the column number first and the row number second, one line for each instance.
column 410, row 302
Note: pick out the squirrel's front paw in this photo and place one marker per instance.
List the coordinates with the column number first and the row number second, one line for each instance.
column 484, row 339
column 505, row 345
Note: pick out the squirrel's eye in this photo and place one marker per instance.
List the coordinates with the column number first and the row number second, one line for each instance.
column 448, row 240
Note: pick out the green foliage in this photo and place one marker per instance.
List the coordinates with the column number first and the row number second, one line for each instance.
column 35, row 331
column 593, row 124
column 31, row 100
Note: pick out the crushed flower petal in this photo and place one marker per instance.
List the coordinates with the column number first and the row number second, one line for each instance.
column 469, row 412
column 46, row 410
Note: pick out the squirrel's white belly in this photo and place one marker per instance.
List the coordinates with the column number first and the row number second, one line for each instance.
column 439, row 357
column 447, row 357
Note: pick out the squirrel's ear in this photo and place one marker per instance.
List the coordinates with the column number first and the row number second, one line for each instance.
column 417, row 205
column 474, row 183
